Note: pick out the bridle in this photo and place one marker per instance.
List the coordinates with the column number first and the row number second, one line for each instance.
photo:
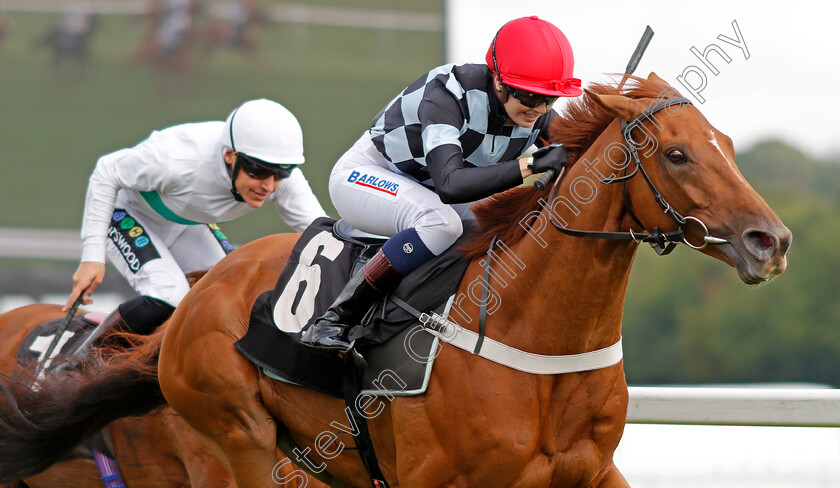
column 662, row 242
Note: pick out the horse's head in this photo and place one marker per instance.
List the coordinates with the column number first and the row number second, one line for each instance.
column 692, row 165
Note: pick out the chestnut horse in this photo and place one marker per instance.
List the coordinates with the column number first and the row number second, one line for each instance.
column 481, row 423
column 156, row 450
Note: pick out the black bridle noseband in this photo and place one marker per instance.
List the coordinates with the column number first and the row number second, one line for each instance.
column 662, row 242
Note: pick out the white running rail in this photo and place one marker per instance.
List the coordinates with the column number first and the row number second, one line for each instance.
column 795, row 407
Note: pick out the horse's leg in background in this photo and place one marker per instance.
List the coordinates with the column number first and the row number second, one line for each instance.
column 160, row 450
column 78, row 473
column 204, row 469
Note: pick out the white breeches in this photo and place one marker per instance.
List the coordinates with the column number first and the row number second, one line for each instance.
column 153, row 254
column 374, row 199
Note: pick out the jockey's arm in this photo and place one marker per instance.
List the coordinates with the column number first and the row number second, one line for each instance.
column 441, row 118
column 140, row 168
column 87, row 279
column 456, row 183
column 296, row 203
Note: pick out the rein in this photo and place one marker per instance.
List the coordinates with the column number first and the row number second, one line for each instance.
column 661, row 242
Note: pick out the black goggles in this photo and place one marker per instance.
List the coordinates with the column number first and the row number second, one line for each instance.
column 260, row 170
column 530, row 99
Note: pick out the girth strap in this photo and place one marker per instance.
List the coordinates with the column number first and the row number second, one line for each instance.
column 352, row 390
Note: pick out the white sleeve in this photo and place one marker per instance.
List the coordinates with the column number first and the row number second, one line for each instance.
column 296, row 203
column 143, row 167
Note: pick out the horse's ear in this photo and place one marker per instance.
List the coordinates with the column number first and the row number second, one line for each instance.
column 624, row 108
column 656, row 79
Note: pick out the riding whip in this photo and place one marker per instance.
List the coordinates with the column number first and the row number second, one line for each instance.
column 637, row 55
column 59, row 332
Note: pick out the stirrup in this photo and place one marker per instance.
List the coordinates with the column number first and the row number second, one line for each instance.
column 351, row 354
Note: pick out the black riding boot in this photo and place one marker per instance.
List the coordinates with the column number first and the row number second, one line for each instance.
column 114, row 321
column 329, row 332
column 144, row 314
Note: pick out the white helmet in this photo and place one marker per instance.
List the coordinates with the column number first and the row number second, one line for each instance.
column 264, row 130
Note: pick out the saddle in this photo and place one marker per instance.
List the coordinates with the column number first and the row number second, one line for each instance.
column 399, row 357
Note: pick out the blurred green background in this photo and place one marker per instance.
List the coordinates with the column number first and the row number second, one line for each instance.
column 55, row 125
column 688, row 319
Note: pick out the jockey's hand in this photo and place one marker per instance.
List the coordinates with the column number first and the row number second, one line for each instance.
column 553, row 156
column 87, row 278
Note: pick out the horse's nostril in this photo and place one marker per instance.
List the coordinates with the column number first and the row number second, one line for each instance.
column 761, row 244
column 765, row 239
column 759, row 239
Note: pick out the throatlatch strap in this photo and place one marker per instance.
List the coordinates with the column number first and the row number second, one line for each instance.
column 352, row 389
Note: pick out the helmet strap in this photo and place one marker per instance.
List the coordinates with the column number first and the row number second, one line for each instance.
column 503, row 88
column 235, row 170
column 493, row 50
column 496, row 64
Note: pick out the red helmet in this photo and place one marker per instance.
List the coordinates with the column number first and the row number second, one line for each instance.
column 534, row 55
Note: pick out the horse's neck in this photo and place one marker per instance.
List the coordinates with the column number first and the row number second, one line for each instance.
column 569, row 297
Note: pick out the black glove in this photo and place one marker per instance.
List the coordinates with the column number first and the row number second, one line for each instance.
column 553, row 156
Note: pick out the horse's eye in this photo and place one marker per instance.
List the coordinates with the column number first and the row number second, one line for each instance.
column 676, row 156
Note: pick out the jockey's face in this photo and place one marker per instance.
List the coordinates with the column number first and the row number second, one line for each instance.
column 517, row 113
column 254, row 191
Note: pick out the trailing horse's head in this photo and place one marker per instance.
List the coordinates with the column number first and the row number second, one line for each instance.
column 692, row 166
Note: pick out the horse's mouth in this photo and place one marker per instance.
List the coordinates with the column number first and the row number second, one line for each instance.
column 753, row 268
column 751, row 279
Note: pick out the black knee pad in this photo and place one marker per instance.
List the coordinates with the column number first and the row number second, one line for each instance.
column 144, row 314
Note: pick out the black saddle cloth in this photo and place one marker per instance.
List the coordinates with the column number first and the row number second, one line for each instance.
column 35, row 344
column 69, row 344
column 273, row 337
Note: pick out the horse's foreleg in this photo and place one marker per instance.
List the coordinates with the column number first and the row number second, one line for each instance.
column 242, row 434
column 215, row 390
column 610, row 477
column 249, row 450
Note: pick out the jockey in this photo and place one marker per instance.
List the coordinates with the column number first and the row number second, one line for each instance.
column 451, row 138
column 148, row 207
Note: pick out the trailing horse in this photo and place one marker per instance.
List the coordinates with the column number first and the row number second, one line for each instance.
column 28, row 448
column 664, row 176
column 155, row 450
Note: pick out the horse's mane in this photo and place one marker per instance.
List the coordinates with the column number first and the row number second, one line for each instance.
column 576, row 128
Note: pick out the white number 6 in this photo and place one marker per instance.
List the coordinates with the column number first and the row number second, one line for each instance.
column 306, row 275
